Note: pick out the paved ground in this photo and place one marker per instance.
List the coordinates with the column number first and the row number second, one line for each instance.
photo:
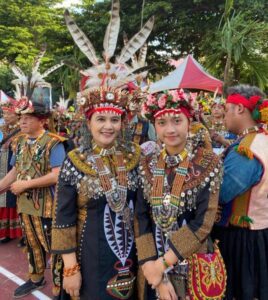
column 13, row 269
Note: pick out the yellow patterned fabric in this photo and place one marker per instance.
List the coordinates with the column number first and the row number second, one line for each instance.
column 185, row 241
column 64, row 238
column 79, row 161
column 146, row 247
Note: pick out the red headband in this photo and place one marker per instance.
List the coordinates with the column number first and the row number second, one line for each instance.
column 115, row 110
column 10, row 109
column 180, row 110
column 239, row 99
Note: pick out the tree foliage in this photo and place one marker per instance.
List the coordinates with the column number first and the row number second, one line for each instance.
column 238, row 47
column 210, row 30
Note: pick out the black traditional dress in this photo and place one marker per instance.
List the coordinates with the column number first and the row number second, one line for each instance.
column 194, row 216
column 85, row 223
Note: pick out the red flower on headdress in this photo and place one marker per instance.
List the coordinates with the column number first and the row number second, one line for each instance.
column 175, row 95
column 151, row 100
column 162, row 101
column 263, row 105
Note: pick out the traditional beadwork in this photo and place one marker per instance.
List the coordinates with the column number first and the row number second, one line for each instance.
column 167, row 205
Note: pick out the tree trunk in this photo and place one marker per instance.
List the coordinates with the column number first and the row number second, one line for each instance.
column 227, row 70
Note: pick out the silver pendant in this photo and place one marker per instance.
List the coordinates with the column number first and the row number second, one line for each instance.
column 167, row 200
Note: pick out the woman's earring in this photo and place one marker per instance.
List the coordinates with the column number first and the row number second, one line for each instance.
column 86, row 137
column 125, row 137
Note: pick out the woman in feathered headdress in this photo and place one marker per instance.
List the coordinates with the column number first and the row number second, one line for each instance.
column 93, row 222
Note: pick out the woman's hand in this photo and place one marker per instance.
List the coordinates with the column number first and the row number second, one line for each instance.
column 153, row 271
column 165, row 291
column 72, row 284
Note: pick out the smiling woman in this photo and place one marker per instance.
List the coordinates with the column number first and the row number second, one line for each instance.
column 105, row 128
column 176, row 208
column 96, row 199
column 93, row 222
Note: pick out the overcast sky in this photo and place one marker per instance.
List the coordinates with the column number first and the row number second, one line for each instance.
column 68, row 3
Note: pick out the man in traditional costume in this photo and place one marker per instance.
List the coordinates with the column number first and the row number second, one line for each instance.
column 37, row 157
column 141, row 130
column 243, row 196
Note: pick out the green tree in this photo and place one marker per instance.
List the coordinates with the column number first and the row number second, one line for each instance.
column 237, row 49
column 5, row 78
column 181, row 27
column 25, row 25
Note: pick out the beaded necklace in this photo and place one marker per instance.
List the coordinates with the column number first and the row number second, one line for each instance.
column 174, row 160
column 218, row 126
column 167, row 205
column 256, row 128
column 115, row 188
column 31, row 146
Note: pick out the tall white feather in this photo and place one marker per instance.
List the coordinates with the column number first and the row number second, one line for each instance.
column 112, row 31
column 18, row 72
column 136, row 42
column 52, row 69
column 38, row 58
column 81, row 39
column 142, row 55
column 134, row 58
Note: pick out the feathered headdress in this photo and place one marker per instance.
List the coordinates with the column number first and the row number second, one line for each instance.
column 106, row 82
column 7, row 103
column 26, row 83
column 62, row 106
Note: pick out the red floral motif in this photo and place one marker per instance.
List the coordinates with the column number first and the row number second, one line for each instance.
column 167, row 100
column 24, row 104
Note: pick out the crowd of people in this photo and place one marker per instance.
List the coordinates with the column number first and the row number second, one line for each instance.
column 132, row 195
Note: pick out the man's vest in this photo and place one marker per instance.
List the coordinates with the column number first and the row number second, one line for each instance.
column 250, row 210
column 33, row 161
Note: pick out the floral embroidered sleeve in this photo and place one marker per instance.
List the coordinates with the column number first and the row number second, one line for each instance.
column 192, row 237
column 64, row 230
